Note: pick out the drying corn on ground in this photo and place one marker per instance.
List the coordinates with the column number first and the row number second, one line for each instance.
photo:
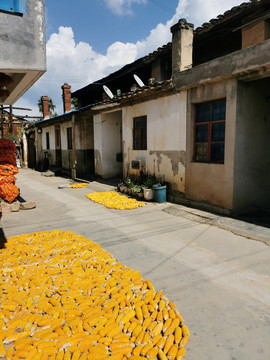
column 78, row 186
column 64, row 297
column 113, row 200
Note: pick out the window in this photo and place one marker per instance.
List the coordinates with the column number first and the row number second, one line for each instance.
column 13, row 6
column 47, row 141
column 69, row 138
column 209, row 131
column 139, row 133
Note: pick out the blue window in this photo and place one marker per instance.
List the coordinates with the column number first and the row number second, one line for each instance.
column 13, row 6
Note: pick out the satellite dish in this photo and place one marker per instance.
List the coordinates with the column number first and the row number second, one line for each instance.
column 138, row 80
column 108, row 91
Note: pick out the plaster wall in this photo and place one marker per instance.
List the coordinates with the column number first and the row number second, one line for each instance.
column 22, row 39
column 107, row 143
column 165, row 156
column 206, row 182
column 84, row 132
column 252, row 149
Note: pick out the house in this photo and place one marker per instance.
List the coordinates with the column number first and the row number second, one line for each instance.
column 65, row 141
column 201, row 122
column 12, row 128
column 22, row 45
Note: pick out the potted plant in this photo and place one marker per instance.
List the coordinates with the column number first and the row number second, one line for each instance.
column 120, row 186
column 148, row 191
column 137, row 191
column 130, row 185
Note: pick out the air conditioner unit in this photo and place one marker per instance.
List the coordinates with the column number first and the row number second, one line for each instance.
column 137, row 164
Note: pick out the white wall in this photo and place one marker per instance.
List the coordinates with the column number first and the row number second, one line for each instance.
column 63, row 132
column 50, row 130
column 166, row 139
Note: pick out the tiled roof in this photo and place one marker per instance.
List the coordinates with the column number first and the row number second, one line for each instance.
column 233, row 12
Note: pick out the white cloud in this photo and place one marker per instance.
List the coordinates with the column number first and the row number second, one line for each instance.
column 78, row 64
column 200, row 11
column 122, row 7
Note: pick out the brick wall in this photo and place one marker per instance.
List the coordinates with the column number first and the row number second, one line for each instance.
column 255, row 34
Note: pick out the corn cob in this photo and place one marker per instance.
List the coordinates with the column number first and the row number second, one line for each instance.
column 185, row 330
column 2, row 349
column 168, row 343
column 123, row 350
column 146, row 348
column 137, row 350
column 152, row 354
column 157, row 329
column 161, row 343
column 184, row 341
column 181, row 353
column 172, row 352
column 139, row 313
column 146, row 338
column 139, row 338
column 162, row 355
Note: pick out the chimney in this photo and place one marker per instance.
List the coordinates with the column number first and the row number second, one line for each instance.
column 66, row 97
column 182, row 42
column 45, row 107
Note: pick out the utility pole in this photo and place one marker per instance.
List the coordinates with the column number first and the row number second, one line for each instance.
column 2, row 122
column 10, row 120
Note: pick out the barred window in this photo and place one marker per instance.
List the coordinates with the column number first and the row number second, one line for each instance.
column 140, row 133
column 47, row 140
column 209, row 131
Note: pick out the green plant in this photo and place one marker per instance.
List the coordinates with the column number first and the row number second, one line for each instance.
column 75, row 103
column 137, row 189
column 149, row 182
column 129, row 183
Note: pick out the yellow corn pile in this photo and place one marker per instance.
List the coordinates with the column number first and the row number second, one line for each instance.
column 113, row 200
column 63, row 297
column 78, row 186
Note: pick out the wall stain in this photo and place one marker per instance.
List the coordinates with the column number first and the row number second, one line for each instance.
column 98, row 164
column 175, row 157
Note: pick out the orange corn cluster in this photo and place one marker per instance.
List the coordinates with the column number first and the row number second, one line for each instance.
column 63, row 297
column 77, row 186
column 113, row 200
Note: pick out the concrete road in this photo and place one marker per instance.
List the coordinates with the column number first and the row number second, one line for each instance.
column 220, row 282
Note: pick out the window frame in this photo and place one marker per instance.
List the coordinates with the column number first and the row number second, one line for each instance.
column 209, row 123
column 140, row 143
column 69, row 138
column 16, row 7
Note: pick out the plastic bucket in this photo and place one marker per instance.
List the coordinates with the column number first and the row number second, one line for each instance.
column 160, row 194
column 148, row 194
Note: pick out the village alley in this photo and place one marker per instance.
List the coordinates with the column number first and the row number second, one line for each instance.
column 219, row 281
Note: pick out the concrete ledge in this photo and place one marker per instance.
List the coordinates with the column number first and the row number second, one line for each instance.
column 237, row 227
column 254, row 58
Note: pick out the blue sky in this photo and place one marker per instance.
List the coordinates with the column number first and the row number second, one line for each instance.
column 89, row 39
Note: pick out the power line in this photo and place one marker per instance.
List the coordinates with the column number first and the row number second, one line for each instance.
column 162, row 6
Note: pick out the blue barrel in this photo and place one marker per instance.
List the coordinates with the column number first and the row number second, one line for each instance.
column 160, row 194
